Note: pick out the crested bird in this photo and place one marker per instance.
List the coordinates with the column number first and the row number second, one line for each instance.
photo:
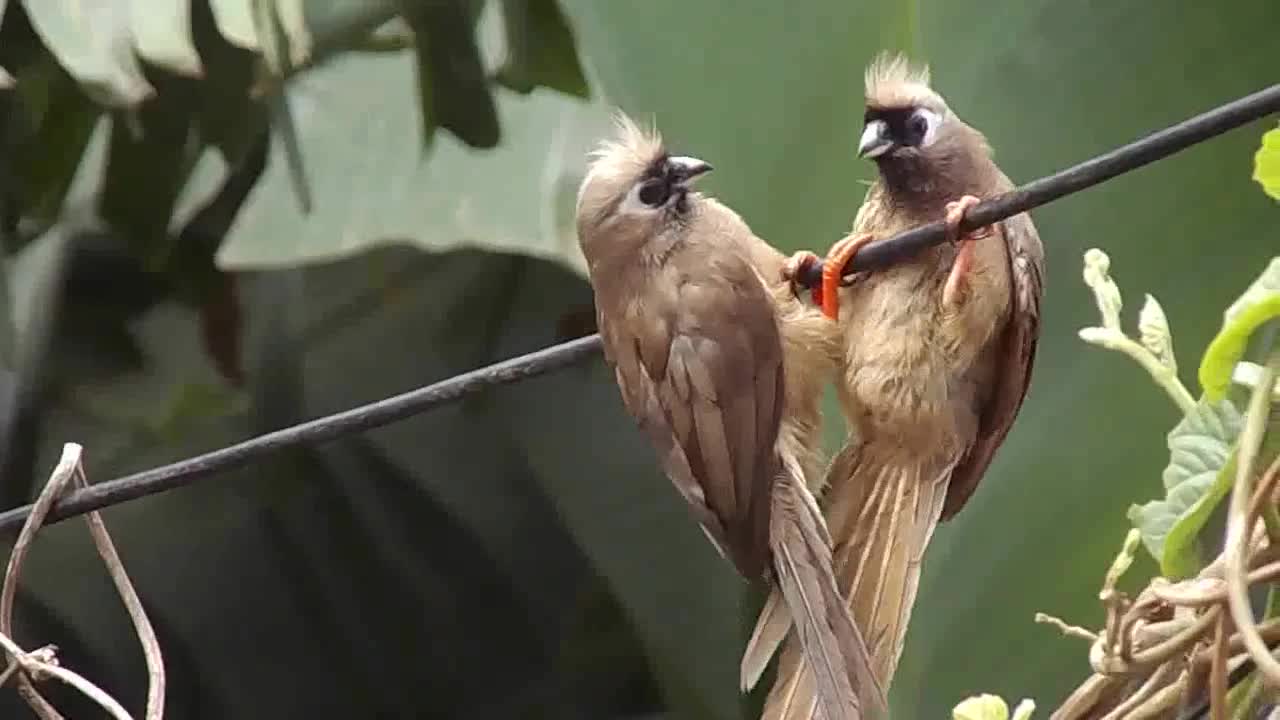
column 936, row 358
column 722, row 366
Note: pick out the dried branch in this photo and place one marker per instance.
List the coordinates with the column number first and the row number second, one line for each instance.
column 1241, row 523
column 43, row 663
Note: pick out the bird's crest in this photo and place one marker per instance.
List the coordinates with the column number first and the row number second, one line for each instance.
column 631, row 149
column 893, row 81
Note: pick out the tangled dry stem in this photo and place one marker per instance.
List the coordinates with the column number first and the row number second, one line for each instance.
column 30, row 667
column 1159, row 649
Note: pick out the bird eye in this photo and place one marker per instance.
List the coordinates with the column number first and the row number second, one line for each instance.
column 654, row 192
column 917, row 128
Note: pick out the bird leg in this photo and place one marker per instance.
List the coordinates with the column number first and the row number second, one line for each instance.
column 833, row 271
column 795, row 268
column 963, row 263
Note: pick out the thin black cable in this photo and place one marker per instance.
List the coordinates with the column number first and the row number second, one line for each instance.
column 358, row 419
column 874, row 256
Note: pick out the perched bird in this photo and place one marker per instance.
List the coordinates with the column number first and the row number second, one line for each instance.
column 937, row 355
column 722, row 366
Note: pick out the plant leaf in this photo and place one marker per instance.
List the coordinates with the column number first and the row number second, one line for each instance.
column 981, row 707
column 517, row 197
column 1266, row 163
column 94, row 42
column 235, row 21
column 1199, row 474
column 162, row 35
column 1258, row 304
column 451, row 79
column 540, row 49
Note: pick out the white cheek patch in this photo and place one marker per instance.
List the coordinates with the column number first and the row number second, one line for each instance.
column 633, row 206
column 932, row 121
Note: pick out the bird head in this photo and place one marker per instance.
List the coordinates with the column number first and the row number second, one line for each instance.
column 908, row 129
column 635, row 189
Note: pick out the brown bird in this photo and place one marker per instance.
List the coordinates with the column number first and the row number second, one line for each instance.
column 937, row 355
column 722, row 366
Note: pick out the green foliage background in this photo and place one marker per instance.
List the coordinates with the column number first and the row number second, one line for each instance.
column 519, row 555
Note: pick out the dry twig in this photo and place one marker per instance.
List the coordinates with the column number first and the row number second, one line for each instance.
column 33, row 666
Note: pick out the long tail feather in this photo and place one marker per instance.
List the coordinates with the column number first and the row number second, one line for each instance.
column 845, row 684
column 771, row 629
column 882, row 512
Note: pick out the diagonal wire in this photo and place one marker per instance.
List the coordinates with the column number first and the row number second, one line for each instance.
column 883, row 253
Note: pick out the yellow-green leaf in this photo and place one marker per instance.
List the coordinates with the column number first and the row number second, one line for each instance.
column 1258, row 304
column 1266, row 163
column 981, row 707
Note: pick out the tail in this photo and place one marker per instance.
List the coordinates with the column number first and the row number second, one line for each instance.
column 882, row 508
column 845, row 684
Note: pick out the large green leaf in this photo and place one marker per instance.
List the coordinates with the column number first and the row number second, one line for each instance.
column 1199, row 474
column 358, row 130
column 1259, row 304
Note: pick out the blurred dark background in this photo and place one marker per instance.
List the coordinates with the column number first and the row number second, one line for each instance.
column 227, row 217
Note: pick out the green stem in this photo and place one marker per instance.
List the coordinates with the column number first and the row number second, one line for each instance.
column 1164, row 376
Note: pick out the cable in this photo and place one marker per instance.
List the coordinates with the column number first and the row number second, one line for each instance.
column 876, row 255
column 358, row 419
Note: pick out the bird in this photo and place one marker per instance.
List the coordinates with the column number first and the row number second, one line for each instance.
column 722, row 366
column 937, row 354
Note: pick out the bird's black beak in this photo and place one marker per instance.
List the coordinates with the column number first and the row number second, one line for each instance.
column 684, row 169
column 876, row 140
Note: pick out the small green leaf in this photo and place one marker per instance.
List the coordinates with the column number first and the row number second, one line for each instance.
column 1266, row 163
column 162, row 35
column 1258, row 304
column 1198, row 476
column 540, row 49
column 235, row 21
column 94, row 42
column 453, row 88
column 981, row 707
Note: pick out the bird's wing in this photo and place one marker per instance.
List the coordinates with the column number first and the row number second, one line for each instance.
column 1013, row 374
column 701, row 368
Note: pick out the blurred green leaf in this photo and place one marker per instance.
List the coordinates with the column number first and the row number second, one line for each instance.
column 1266, row 163
column 160, row 157
column 357, row 129
column 981, row 707
column 94, row 42
column 1198, row 476
column 235, row 21
column 161, row 33
column 57, row 121
column 452, row 88
column 1259, row 304
column 541, row 50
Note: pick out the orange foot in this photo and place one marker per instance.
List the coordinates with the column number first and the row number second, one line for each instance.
column 794, row 270
column 833, row 271
column 956, row 280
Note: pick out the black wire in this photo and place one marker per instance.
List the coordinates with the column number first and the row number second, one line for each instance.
column 875, row 255
column 1156, row 146
column 358, row 419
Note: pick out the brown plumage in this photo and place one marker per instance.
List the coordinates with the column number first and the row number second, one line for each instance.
column 722, row 367
column 937, row 354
